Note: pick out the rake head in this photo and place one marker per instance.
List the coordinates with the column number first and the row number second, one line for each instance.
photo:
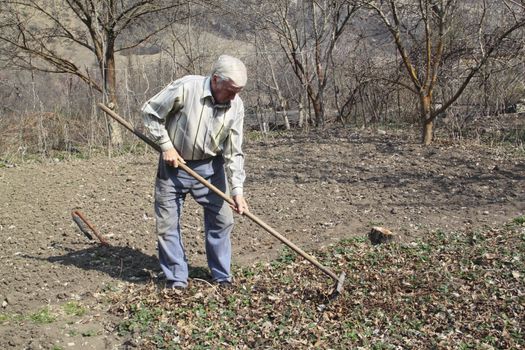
column 338, row 289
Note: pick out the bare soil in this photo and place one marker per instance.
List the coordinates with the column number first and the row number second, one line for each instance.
column 315, row 189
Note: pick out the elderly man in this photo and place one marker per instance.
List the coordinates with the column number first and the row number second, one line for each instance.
column 198, row 121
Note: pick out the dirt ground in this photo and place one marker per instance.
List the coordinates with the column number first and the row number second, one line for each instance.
column 314, row 189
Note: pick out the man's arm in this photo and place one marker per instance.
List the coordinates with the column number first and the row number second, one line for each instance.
column 154, row 114
column 234, row 159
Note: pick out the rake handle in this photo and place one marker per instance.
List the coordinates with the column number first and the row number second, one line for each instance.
column 203, row 181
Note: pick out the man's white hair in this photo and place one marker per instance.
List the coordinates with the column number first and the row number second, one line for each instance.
column 231, row 68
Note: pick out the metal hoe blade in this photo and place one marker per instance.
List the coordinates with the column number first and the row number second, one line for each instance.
column 82, row 222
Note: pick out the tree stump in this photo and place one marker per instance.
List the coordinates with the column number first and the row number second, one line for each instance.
column 379, row 235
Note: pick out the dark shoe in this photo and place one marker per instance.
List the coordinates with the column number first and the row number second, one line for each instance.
column 176, row 285
column 225, row 285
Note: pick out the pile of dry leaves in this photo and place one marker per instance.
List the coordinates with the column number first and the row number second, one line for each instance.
column 457, row 290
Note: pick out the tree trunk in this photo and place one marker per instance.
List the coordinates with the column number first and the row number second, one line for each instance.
column 428, row 132
column 318, row 111
column 110, row 83
column 286, row 121
column 284, row 107
column 426, row 118
column 301, row 114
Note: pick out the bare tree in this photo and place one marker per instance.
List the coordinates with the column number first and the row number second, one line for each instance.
column 427, row 34
column 274, row 83
column 42, row 34
column 307, row 32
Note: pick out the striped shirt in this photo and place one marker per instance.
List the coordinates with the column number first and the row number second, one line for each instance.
column 185, row 116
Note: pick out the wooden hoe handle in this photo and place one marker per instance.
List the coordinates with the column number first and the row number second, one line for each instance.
column 254, row 218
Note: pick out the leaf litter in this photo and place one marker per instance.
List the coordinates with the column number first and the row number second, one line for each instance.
column 446, row 291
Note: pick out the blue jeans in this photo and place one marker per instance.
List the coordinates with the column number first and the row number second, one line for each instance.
column 171, row 187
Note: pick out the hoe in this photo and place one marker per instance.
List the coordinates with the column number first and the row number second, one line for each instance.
column 339, row 280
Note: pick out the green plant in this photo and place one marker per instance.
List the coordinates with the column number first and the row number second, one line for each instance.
column 89, row 333
column 286, row 256
column 520, row 220
column 43, row 316
column 11, row 317
column 73, row 308
column 140, row 320
column 109, row 288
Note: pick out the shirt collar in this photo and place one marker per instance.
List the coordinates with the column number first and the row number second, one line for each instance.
column 207, row 94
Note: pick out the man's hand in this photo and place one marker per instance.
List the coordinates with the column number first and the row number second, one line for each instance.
column 172, row 157
column 240, row 204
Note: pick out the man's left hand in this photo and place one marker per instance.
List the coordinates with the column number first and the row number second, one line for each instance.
column 240, row 204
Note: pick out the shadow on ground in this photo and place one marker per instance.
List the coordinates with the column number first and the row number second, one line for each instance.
column 124, row 263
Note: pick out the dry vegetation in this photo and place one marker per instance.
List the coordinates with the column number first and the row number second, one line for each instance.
column 451, row 290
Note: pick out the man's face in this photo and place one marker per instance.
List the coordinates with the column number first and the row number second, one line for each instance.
column 223, row 91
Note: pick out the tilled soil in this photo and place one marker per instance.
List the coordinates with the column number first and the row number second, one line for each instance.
column 313, row 188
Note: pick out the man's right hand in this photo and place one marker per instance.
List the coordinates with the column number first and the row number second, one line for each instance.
column 171, row 157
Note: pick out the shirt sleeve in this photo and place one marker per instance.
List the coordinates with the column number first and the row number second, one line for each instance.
column 234, row 156
column 156, row 111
